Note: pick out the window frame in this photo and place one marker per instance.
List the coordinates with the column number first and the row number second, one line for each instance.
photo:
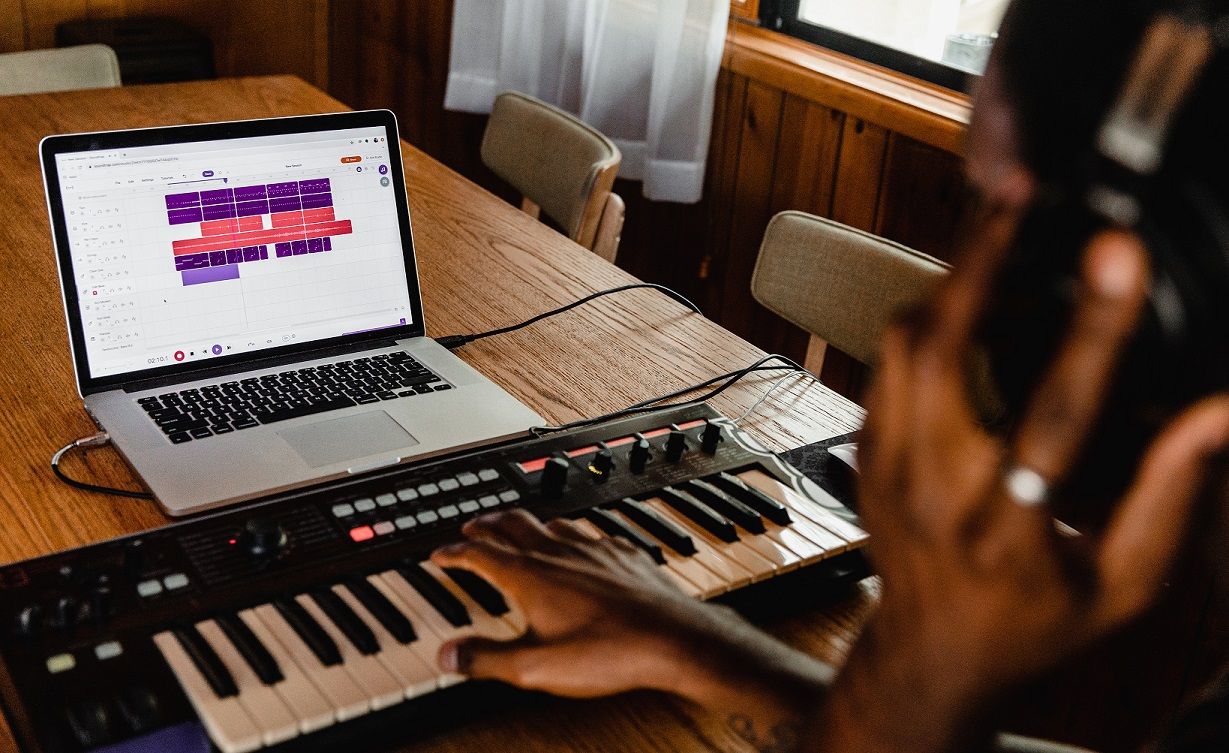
column 783, row 16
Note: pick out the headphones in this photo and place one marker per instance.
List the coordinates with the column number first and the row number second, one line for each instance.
column 1180, row 351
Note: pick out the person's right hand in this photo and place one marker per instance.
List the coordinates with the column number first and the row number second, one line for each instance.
column 603, row 618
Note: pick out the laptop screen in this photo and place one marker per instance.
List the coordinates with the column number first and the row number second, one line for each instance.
column 188, row 252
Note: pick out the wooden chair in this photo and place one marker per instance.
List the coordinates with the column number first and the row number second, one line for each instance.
column 561, row 166
column 89, row 66
column 840, row 284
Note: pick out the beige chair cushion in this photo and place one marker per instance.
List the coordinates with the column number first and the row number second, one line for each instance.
column 555, row 160
column 89, row 66
column 840, row 284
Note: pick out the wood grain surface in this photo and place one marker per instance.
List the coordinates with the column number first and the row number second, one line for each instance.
column 482, row 264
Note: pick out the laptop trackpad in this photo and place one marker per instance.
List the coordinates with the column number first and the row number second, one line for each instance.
column 340, row 439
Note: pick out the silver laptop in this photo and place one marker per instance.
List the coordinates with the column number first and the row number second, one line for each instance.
column 243, row 306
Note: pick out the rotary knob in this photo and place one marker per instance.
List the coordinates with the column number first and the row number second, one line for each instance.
column 639, row 456
column 554, row 477
column 710, row 438
column 602, row 465
column 262, row 539
column 676, row 446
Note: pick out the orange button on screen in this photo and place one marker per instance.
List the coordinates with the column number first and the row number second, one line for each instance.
column 348, row 160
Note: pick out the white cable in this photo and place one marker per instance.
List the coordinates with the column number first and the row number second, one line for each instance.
column 772, row 389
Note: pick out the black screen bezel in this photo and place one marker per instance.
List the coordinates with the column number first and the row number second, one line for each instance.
column 160, row 136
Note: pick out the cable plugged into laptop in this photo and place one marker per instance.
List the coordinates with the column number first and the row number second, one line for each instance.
column 85, row 443
column 452, row 342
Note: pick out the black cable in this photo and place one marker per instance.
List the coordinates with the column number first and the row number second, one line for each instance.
column 645, row 406
column 96, row 440
column 452, row 342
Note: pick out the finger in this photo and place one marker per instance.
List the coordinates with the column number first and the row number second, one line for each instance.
column 1065, row 406
column 515, row 527
column 499, row 565
column 484, row 659
column 959, row 303
column 569, row 530
column 1149, row 527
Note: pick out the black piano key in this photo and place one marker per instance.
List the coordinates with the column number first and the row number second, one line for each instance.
column 752, row 497
column 664, row 530
column 725, row 504
column 612, row 526
column 699, row 513
column 349, row 623
column 479, row 590
column 309, row 631
column 396, row 623
column 207, row 662
column 436, row 594
column 251, row 649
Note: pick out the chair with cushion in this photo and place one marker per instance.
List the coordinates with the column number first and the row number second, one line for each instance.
column 88, row 66
column 840, row 284
column 560, row 165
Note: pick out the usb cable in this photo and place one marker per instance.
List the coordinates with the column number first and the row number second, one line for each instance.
column 85, row 443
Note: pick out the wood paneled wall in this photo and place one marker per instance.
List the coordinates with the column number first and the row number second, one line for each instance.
column 251, row 37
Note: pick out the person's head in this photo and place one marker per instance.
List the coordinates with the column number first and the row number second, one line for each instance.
column 1057, row 68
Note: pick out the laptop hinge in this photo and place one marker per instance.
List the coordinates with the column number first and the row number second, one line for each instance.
column 263, row 363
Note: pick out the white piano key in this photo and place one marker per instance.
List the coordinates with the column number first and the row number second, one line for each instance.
column 804, row 507
column 783, row 559
column 367, row 671
column 796, row 542
column 311, row 708
column 687, row 585
column 262, row 703
column 485, row 625
column 433, row 630
column 225, row 720
column 334, row 683
column 733, row 563
column 416, row 677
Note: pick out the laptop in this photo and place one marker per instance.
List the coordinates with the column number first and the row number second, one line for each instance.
column 243, row 306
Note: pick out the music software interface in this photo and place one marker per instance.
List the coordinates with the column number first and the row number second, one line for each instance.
column 188, row 252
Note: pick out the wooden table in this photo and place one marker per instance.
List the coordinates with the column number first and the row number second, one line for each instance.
column 482, row 264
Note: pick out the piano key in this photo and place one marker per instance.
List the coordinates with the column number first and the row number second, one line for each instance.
column 660, row 528
column 767, row 506
column 682, row 581
column 255, row 654
column 344, row 618
column 431, row 628
column 799, row 504
column 487, row 596
column 723, row 503
column 416, row 677
column 206, row 661
column 736, row 551
column 613, row 526
column 700, row 514
column 262, row 703
column 300, row 695
column 368, row 673
column 733, row 574
column 332, row 680
column 309, row 631
column 440, row 598
column 389, row 617
column 485, row 625
column 707, row 583
column 224, row 719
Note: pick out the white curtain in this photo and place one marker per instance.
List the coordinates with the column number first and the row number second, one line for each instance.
column 641, row 71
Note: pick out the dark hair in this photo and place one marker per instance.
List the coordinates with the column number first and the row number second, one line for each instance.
column 1062, row 63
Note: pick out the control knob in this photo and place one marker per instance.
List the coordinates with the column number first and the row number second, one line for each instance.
column 710, row 438
column 554, row 477
column 676, row 446
column 639, row 456
column 262, row 539
column 602, row 465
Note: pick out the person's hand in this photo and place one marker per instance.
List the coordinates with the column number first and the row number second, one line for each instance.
column 603, row 618
column 980, row 589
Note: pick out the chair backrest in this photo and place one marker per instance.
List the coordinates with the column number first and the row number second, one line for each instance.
column 555, row 160
column 88, row 66
column 838, row 283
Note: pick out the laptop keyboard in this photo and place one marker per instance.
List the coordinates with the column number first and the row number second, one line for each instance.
column 202, row 412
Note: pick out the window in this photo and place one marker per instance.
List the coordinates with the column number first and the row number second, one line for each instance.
column 942, row 41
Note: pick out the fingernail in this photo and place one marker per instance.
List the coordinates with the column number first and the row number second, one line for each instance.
column 450, row 659
column 1114, row 278
column 452, row 549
